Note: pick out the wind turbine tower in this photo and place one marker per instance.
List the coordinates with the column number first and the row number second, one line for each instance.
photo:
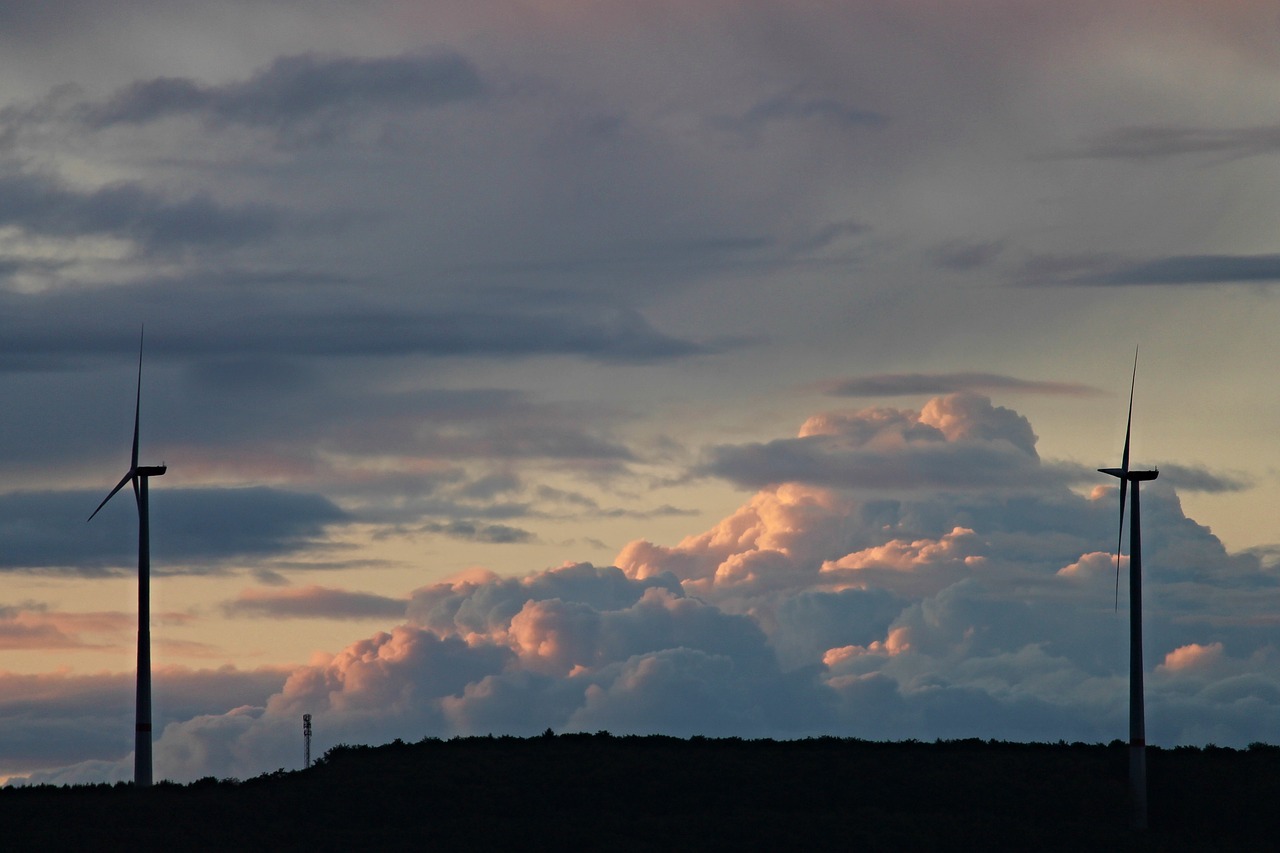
column 1137, row 712
column 138, row 475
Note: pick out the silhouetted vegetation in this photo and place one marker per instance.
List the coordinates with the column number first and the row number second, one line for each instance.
column 582, row 791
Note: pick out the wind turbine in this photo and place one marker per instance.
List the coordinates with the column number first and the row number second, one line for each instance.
column 138, row 476
column 1137, row 713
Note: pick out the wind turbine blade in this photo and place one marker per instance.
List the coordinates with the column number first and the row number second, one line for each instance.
column 1124, row 470
column 137, row 405
column 1128, row 423
column 1124, row 486
column 119, row 486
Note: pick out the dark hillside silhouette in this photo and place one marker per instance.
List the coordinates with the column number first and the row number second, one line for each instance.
column 599, row 791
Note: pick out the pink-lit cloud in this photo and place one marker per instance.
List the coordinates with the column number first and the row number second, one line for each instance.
column 954, row 442
column 807, row 610
column 36, row 626
column 313, row 602
column 1192, row 657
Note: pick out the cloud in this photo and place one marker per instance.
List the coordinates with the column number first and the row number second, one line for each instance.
column 56, row 719
column 313, row 602
column 1190, row 478
column 33, row 625
column 1188, row 270
column 795, row 106
column 808, row 610
column 42, row 205
column 521, row 208
column 1092, row 566
column 195, row 318
column 962, row 256
column 582, row 505
column 478, row 606
column 910, row 384
column 193, row 530
column 297, row 88
column 577, row 647
column 830, row 235
column 955, row 442
column 494, row 534
column 1153, row 143
column 1192, row 656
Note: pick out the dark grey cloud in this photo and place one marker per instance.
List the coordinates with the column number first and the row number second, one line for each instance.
column 908, row 384
column 10, row 267
column 1153, row 142
column 193, row 530
column 961, row 256
column 43, row 205
column 582, row 505
column 42, row 717
column 1194, row 478
column 315, row 602
column 809, row 623
column 221, row 319
column 296, row 88
column 796, row 106
column 470, row 531
column 450, row 423
column 829, row 236
column 1106, row 271
column 492, row 485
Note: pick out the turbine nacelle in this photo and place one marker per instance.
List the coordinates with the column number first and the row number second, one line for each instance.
column 1130, row 476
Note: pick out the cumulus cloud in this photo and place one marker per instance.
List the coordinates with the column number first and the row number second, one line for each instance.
column 1092, row 566
column 1192, row 656
column 808, row 610
column 958, row 441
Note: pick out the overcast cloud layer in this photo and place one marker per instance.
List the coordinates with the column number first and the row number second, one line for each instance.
column 462, row 320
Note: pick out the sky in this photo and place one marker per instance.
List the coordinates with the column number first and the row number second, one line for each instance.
column 731, row 367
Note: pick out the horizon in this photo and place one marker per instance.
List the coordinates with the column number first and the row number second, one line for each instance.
column 708, row 371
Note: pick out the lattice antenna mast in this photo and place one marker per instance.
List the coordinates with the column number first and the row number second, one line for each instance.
column 306, row 741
